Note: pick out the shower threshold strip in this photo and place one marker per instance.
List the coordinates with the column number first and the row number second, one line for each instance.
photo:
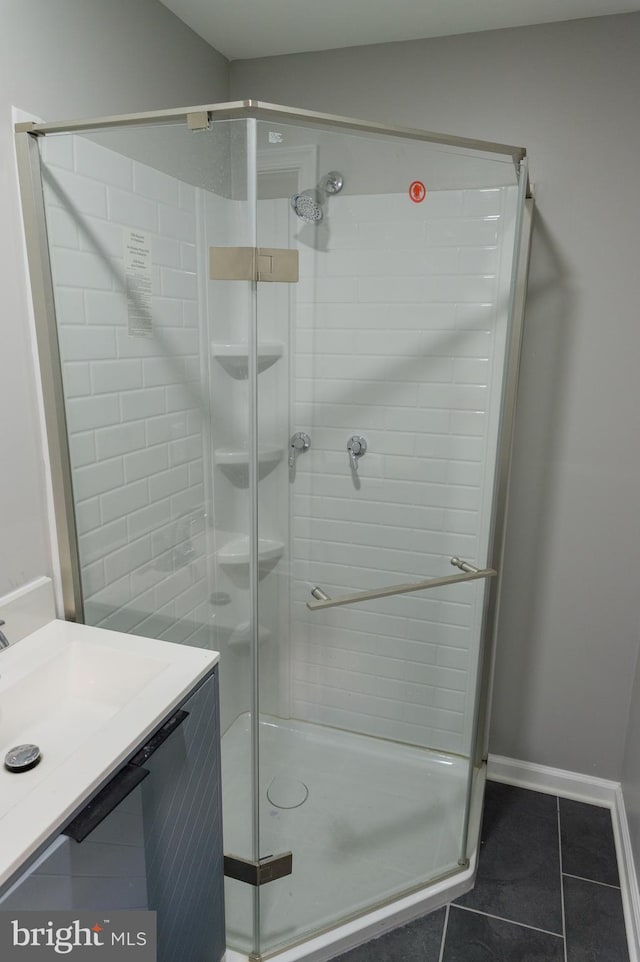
column 471, row 573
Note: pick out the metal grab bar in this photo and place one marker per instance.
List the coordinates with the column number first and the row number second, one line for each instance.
column 471, row 573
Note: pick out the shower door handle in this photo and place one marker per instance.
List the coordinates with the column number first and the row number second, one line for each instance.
column 471, row 573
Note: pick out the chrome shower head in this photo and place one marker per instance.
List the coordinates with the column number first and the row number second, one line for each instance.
column 307, row 206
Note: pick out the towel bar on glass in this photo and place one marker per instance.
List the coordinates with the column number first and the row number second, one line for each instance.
column 471, row 573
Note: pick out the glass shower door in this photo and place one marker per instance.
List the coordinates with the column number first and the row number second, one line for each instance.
column 157, row 382
column 378, row 419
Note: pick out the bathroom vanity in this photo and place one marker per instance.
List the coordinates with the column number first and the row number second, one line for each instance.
column 124, row 810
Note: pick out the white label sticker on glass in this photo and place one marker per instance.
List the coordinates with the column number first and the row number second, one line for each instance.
column 275, row 137
column 137, row 272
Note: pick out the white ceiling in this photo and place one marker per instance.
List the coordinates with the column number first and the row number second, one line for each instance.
column 241, row 29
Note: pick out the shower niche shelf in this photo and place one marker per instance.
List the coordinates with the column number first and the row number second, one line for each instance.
column 235, row 463
column 234, row 358
column 240, row 635
column 236, row 553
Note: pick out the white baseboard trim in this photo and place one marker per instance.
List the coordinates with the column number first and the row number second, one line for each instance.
column 594, row 791
column 628, row 876
column 552, row 781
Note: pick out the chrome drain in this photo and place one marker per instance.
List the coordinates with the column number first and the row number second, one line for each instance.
column 22, row 758
column 287, row 792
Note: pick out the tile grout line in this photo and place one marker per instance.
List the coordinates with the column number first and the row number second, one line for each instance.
column 564, row 925
column 593, row 881
column 501, row 918
column 444, row 933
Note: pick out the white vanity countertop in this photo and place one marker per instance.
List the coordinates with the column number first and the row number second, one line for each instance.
column 88, row 698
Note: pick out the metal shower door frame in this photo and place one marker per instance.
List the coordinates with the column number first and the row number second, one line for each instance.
column 198, row 118
column 41, row 281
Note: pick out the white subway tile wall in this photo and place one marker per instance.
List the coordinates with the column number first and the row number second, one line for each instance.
column 402, row 340
column 134, row 402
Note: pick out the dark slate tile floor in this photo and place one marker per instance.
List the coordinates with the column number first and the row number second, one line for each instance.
column 547, row 890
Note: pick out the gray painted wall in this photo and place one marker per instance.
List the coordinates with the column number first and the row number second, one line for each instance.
column 71, row 58
column 568, row 92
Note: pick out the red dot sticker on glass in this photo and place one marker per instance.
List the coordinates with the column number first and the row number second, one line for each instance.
column 417, row 191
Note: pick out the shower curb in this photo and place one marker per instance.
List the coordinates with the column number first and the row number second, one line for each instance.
column 594, row 791
column 351, row 935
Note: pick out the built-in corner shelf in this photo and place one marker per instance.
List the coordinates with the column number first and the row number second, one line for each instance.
column 236, row 553
column 234, row 358
column 235, row 463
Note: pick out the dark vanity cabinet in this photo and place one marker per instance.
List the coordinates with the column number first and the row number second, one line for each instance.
column 150, row 839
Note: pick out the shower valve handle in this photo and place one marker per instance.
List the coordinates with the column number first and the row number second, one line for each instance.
column 357, row 447
column 299, row 442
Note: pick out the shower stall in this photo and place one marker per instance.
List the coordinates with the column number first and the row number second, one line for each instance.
column 279, row 358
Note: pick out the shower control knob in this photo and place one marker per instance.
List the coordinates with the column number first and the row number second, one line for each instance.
column 357, row 447
column 299, row 442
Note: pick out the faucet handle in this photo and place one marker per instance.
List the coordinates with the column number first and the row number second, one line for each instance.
column 298, row 443
column 357, row 448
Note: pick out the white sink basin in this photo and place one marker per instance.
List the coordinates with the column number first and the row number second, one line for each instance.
column 88, row 698
column 60, row 703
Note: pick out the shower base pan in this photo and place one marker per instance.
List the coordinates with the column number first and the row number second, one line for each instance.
column 366, row 819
